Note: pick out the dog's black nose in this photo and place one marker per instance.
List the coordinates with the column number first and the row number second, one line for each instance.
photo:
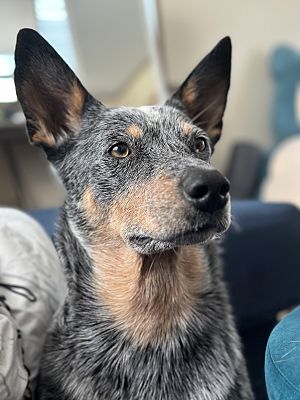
column 206, row 189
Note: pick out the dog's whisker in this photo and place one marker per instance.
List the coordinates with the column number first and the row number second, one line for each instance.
column 203, row 111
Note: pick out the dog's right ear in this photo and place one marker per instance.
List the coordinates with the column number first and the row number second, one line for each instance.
column 50, row 94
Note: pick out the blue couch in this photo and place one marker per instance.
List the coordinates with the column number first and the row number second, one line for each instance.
column 262, row 259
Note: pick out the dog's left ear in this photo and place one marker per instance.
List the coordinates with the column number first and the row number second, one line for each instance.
column 203, row 95
column 50, row 94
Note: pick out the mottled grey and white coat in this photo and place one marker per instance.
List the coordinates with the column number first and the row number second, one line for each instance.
column 147, row 314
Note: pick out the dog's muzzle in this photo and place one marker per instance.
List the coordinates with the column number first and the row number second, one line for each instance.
column 203, row 213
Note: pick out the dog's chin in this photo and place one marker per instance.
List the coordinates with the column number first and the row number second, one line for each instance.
column 145, row 244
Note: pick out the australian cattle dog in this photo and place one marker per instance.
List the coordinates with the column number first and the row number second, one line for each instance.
column 146, row 314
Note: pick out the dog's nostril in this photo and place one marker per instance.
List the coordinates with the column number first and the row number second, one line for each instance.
column 198, row 191
column 224, row 189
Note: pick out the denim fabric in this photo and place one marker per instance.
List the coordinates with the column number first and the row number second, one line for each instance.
column 282, row 360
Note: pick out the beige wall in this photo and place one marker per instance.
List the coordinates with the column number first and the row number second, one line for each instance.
column 192, row 27
column 109, row 42
column 14, row 15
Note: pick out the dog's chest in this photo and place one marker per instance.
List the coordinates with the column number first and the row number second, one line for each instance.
column 119, row 371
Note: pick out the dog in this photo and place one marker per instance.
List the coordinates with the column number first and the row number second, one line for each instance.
column 146, row 314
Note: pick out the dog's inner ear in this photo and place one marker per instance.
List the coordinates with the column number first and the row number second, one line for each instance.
column 203, row 95
column 50, row 94
column 52, row 114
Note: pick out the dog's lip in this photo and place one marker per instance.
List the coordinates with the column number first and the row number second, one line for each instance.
column 183, row 236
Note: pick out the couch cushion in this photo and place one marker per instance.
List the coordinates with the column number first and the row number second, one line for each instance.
column 262, row 258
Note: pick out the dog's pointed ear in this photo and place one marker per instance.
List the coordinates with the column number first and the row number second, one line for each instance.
column 50, row 94
column 203, row 95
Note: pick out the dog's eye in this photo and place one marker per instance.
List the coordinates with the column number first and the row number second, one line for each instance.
column 200, row 145
column 119, row 150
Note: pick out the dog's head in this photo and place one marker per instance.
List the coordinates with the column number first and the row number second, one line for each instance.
column 138, row 175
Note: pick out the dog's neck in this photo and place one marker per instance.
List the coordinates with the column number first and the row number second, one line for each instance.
column 149, row 297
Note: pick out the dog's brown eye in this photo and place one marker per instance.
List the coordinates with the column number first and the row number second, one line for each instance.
column 200, row 145
column 119, row 150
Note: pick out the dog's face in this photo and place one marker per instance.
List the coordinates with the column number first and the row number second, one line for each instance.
column 142, row 174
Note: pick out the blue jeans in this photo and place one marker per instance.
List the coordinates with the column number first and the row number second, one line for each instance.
column 282, row 360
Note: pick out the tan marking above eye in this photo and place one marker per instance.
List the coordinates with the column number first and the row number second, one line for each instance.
column 135, row 131
column 186, row 128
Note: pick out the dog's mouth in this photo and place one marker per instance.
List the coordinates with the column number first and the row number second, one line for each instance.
column 149, row 244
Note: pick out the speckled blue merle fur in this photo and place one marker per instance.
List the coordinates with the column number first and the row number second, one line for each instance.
column 147, row 315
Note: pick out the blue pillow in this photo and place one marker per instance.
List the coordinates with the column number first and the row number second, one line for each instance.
column 285, row 66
